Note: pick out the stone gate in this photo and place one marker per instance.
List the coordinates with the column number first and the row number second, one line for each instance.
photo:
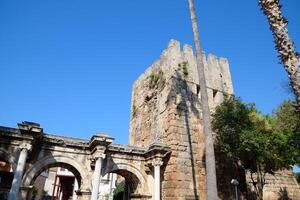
column 30, row 151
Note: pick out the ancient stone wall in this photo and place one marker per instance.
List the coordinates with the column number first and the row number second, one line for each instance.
column 166, row 108
column 282, row 186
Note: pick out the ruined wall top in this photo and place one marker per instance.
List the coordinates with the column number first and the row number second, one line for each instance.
column 171, row 84
column 176, row 62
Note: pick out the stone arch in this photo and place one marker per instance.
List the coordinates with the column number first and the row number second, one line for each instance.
column 8, row 157
column 80, row 172
column 133, row 175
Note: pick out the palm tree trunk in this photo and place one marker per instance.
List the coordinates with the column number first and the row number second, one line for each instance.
column 211, row 181
column 284, row 44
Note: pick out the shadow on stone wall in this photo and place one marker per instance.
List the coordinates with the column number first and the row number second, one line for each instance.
column 189, row 104
column 283, row 194
column 185, row 107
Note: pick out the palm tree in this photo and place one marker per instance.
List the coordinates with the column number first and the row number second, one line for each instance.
column 211, row 181
column 284, row 44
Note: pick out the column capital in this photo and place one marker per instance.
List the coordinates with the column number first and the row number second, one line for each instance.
column 157, row 162
column 97, row 155
column 25, row 146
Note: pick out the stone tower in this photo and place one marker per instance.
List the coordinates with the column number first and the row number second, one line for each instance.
column 166, row 108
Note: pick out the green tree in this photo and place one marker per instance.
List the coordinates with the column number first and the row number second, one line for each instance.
column 119, row 191
column 284, row 44
column 286, row 123
column 258, row 143
column 211, row 180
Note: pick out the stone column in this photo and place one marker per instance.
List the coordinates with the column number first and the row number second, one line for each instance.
column 75, row 188
column 112, row 186
column 16, row 183
column 157, row 162
column 96, row 177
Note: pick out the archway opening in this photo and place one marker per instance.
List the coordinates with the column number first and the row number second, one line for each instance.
column 58, row 181
column 123, row 185
column 107, row 186
column 6, row 177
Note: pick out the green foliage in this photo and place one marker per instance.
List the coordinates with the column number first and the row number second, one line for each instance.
column 134, row 109
column 259, row 143
column 45, row 195
column 183, row 66
column 287, row 124
column 156, row 78
column 106, row 197
column 3, row 196
column 35, row 191
column 230, row 118
column 246, row 135
column 286, row 116
column 119, row 191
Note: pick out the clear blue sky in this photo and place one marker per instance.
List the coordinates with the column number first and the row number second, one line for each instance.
column 69, row 65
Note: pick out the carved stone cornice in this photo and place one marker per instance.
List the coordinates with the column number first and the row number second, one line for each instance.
column 157, row 150
column 30, row 126
column 99, row 142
